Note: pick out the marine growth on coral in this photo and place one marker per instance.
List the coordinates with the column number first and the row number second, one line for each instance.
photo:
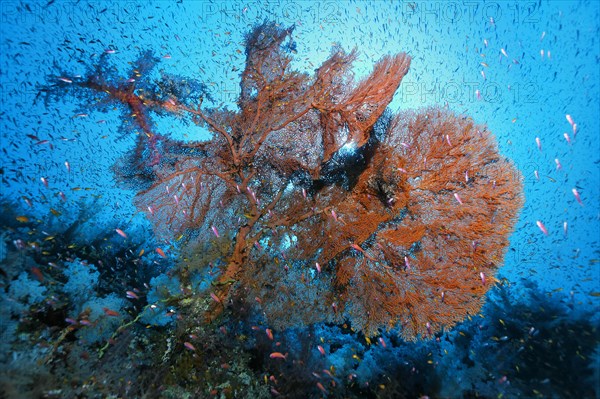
column 321, row 205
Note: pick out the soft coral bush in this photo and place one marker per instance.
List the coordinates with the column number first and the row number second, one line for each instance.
column 332, row 211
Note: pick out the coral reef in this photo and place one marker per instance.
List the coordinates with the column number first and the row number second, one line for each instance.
column 517, row 346
column 331, row 208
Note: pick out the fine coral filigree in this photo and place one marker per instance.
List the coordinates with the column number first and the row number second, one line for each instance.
column 324, row 206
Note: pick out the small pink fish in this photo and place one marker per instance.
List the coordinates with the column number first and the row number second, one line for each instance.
column 577, row 197
column 542, row 227
column 131, row 295
column 151, row 210
column 278, row 355
column 304, row 193
column 406, row 263
column 485, row 42
column 66, row 80
column 565, row 228
column 321, row 350
column 253, row 194
column 215, row 297
column 428, row 326
column 478, row 94
column 334, row 215
column 504, row 52
column 443, row 296
column 110, row 312
column 483, row 74
column 539, row 143
column 109, row 51
column 121, row 233
column 322, row 388
column 382, row 342
column 362, row 251
column 188, row 345
column 215, row 231
column 570, row 119
column 448, row 140
column 269, row 333
column 537, row 175
column 566, row 135
column 482, row 276
column 176, row 199
column 160, row 252
column 558, row 165
column 45, row 181
column 318, row 267
column 68, row 166
column 458, row 198
column 542, row 53
column 574, row 129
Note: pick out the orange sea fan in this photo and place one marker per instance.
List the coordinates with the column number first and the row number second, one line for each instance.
column 437, row 257
column 407, row 216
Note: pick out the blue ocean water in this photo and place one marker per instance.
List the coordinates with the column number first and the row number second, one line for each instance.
column 518, row 67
